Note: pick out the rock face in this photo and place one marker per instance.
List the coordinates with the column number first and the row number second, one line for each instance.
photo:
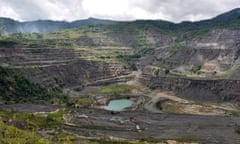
column 197, row 60
column 203, row 90
column 217, row 53
column 75, row 73
column 204, row 68
column 64, row 67
column 40, row 57
column 218, row 39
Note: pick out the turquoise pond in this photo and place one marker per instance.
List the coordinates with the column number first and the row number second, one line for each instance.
column 118, row 105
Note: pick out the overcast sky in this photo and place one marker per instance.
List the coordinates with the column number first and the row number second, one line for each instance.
column 171, row 10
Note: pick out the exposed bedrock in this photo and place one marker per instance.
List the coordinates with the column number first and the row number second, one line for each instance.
column 222, row 63
column 40, row 57
column 216, row 53
column 59, row 66
column 75, row 73
column 204, row 90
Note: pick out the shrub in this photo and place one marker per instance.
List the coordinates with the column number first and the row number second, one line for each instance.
column 156, row 72
column 196, row 69
column 237, row 128
column 15, row 87
column 79, row 88
column 12, row 134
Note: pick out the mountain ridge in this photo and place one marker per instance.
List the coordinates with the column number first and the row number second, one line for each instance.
column 8, row 25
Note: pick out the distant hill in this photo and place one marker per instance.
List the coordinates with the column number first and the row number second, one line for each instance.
column 229, row 19
column 187, row 54
column 8, row 25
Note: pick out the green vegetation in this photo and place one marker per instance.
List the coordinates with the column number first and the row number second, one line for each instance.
column 237, row 128
column 36, row 121
column 168, row 106
column 129, row 59
column 110, row 142
column 104, row 57
column 188, row 139
column 141, row 42
column 17, row 88
column 78, row 88
column 134, row 34
column 185, row 140
column 13, row 135
column 117, row 89
column 156, row 72
column 141, row 37
column 196, row 69
column 167, row 71
column 144, row 51
column 177, row 88
column 27, row 40
column 152, row 86
column 50, row 121
column 178, row 46
column 83, row 101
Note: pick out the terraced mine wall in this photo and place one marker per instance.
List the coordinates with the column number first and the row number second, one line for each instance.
column 203, row 90
column 40, row 57
column 72, row 74
column 212, row 62
column 59, row 66
column 216, row 53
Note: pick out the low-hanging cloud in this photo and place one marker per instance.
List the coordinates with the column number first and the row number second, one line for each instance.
column 171, row 10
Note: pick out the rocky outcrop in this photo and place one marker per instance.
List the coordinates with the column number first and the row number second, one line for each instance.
column 40, row 57
column 75, row 73
column 216, row 53
column 60, row 66
column 217, row 56
column 197, row 89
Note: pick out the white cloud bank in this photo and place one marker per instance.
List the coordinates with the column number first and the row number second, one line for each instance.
column 171, row 10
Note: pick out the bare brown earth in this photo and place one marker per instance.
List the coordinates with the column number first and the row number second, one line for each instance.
column 152, row 126
column 217, row 53
column 185, row 106
column 30, row 108
column 196, row 122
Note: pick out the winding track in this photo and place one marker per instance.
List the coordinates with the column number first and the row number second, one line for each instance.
column 156, row 96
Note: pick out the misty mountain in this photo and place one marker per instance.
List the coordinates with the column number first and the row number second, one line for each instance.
column 229, row 19
column 8, row 25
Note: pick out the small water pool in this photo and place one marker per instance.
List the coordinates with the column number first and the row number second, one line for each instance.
column 118, row 105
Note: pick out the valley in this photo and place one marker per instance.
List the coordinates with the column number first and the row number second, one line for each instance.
column 177, row 83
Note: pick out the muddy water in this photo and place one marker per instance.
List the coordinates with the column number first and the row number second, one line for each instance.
column 118, row 105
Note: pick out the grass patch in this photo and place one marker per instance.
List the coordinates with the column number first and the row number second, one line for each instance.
column 168, row 106
column 237, row 128
column 196, row 69
column 178, row 46
column 111, row 142
column 79, row 88
column 17, row 88
column 64, row 138
column 36, row 121
column 13, row 135
column 84, row 101
column 118, row 89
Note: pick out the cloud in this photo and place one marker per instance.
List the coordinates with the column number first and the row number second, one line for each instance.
column 171, row 10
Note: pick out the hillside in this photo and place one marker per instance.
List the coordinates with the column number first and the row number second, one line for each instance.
column 201, row 50
column 40, row 26
column 170, row 72
column 226, row 20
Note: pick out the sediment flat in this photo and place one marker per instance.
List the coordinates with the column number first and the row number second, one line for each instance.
column 153, row 126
